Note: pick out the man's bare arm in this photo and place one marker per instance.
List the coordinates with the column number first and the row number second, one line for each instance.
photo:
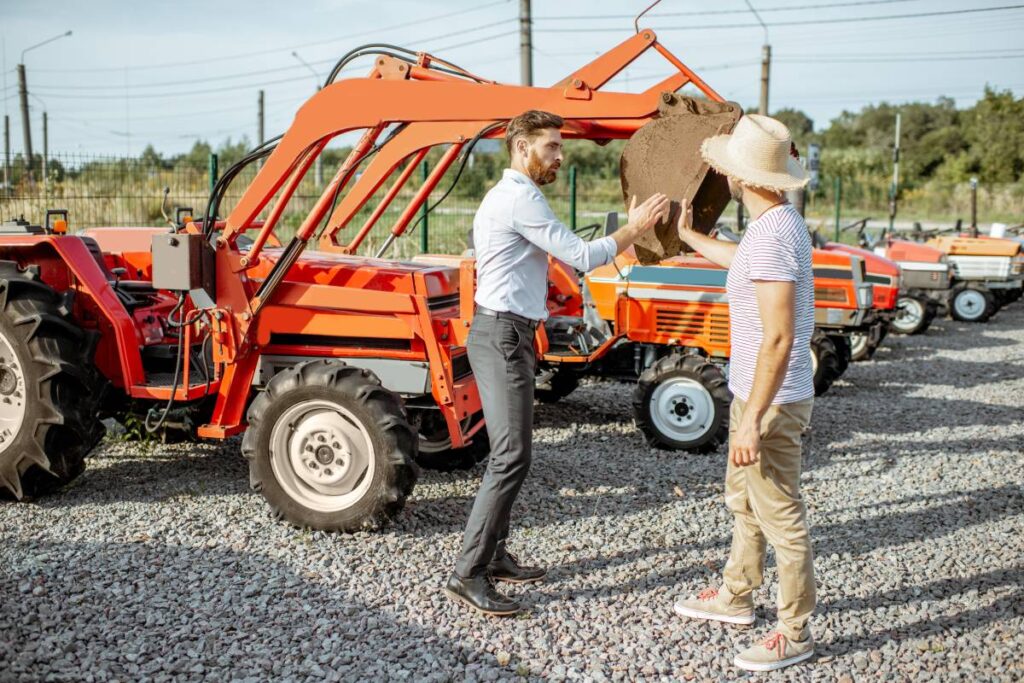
column 718, row 252
column 776, row 304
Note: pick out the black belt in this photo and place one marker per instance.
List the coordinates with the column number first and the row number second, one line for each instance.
column 504, row 315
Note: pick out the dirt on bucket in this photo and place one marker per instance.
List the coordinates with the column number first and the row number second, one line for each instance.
column 664, row 156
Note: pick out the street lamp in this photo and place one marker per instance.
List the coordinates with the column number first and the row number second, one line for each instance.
column 308, row 66
column 23, row 96
column 318, row 167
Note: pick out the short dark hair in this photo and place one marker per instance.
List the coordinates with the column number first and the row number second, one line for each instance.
column 529, row 124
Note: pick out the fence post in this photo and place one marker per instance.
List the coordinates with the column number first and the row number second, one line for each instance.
column 838, row 184
column 425, row 209
column 213, row 172
column 572, row 197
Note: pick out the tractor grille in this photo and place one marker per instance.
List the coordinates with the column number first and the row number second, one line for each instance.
column 712, row 326
column 436, row 303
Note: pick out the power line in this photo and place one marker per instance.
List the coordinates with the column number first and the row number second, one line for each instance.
column 704, row 13
column 260, row 72
column 891, row 60
column 263, row 53
column 800, row 22
column 245, row 86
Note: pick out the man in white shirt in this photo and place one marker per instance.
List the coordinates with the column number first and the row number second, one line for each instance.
column 513, row 232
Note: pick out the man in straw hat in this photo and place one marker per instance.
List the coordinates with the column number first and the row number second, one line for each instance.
column 771, row 310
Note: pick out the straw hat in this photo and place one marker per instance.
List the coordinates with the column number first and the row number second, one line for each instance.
column 756, row 153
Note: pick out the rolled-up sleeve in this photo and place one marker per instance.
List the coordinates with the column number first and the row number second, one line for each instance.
column 535, row 221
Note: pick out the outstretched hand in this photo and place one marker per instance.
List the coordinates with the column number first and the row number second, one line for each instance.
column 685, row 222
column 653, row 209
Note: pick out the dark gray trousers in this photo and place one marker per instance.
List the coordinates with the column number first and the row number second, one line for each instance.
column 503, row 359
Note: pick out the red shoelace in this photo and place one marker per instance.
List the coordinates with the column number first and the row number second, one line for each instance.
column 775, row 641
column 708, row 594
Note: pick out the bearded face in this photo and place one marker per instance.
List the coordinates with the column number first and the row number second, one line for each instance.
column 540, row 171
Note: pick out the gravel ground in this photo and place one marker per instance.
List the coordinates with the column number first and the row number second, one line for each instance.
column 163, row 565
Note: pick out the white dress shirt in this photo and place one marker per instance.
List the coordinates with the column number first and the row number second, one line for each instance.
column 513, row 232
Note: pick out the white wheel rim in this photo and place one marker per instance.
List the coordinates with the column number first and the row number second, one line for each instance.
column 814, row 362
column 682, row 409
column 969, row 303
column 322, row 456
column 858, row 343
column 909, row 313
column 12, row 394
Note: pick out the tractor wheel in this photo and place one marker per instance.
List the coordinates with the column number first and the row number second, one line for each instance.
column 972, row 304
column 843, row 350
column 826, row 360
column 554, row 384
column 914, row 315
column 861, row 345
column 682, row 403
column 330, row 448
column 50, row 389
column 435, row 445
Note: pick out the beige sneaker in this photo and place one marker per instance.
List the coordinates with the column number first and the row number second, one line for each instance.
column 708, row 605
column 775, row 652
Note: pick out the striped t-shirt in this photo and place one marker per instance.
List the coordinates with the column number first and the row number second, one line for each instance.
column 774, row 247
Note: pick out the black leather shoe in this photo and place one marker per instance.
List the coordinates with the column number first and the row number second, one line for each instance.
column 507, row 569
column 478, row 592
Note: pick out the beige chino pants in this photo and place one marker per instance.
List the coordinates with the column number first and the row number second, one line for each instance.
column 766, row 505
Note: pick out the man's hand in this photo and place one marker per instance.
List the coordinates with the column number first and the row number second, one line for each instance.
column 745, row 444
column 718, row 252
column 685, row 223
column 647, row 215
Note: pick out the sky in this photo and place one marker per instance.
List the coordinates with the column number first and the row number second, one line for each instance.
column 171, row 73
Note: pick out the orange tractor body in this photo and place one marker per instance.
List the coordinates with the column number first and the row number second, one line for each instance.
column 340, row 370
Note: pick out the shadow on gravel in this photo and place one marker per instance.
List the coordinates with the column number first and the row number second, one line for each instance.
column 194, row 469
column 197, row 613
column 1005, row 608
column 838, row 420
column 855, row 537
column 885, row 454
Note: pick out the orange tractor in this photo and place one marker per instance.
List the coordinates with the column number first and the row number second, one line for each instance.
column 337, row 369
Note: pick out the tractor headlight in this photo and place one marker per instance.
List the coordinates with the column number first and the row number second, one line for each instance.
column 865, row 295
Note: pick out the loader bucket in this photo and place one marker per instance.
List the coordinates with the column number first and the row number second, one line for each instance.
column 664, row 156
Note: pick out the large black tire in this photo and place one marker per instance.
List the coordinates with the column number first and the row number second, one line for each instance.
column 842, row 344
column 681, row 403
column 972, row 304
column 46, row 371
column 435, row 451
column 358, row 427
column 914, row 314
column 554, row 384
column 826, row 360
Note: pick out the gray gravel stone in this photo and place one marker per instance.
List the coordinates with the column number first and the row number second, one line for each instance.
column 159, row 564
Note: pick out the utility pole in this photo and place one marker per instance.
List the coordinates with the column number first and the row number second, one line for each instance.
column 259, row 120
column 7, row 154
column 895, row 175
column 23, row 98
column 525, row 44
column 766, row 64
column 46, row 152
